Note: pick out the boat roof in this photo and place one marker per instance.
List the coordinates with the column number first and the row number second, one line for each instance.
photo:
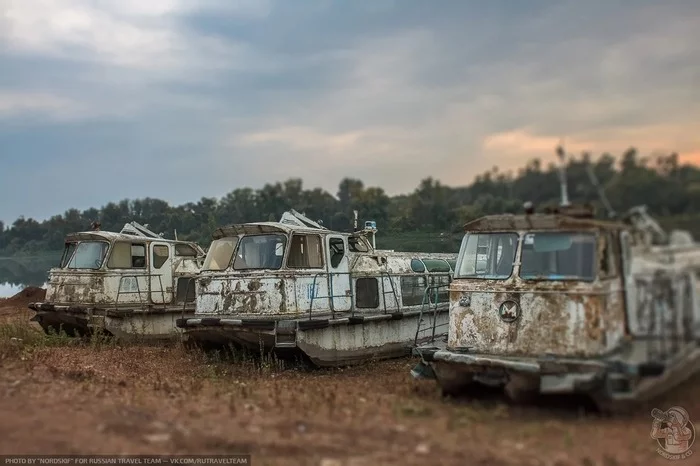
column 112, row 236
column 511, row 222
column 271, row 227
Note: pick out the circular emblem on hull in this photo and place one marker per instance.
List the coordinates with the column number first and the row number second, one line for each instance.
column 509, row 311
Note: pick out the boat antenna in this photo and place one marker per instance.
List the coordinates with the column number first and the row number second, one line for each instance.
column 562, row 175
column 601, row 192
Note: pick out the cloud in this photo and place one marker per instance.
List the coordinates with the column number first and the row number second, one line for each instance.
column 128, row 34
column 302, row 138
column 14, row 104
column 447, row 109
column 217, row 94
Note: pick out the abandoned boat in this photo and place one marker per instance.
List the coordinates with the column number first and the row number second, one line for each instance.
column 296, row 287
column 126, row 284
column 561, row 303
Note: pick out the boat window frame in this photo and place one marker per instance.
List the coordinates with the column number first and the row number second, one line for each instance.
column 321, row 253
column 159, row 257
column 417, row 277
column 595, row 273
column 362, row 299
column 103, row 260
column 333, row 254
column 131, row 243
column 205, row 265
column 178, row 250
column 285, row 247
column 65, row 257
column 516, row 255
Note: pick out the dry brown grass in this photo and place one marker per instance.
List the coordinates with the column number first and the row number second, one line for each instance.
column 65, row 396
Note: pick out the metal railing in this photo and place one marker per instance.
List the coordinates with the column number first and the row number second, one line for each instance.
column 190, row 281
column 149, row 291
column 386, row 275
column 426, row 307
column 121, row 292
column 382, row 276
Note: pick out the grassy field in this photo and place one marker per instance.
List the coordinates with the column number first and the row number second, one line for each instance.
column 65, row 396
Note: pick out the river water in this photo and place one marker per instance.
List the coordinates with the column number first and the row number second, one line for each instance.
column 17, row 273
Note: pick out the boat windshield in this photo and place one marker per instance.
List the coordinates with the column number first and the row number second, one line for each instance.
column 220, row 254
column 488, row 256
column 88, row 255
column 257, row 252
column 558, row 256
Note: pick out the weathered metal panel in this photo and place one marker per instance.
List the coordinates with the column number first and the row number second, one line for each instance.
column 154, row 325
column 343, row 344
column 574, row 322
column 258, row 295
column 96, row 288
column 72, row 287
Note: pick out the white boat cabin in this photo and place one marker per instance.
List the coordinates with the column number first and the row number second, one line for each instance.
column 284, row 269
column 296, row 286
column 132, row 268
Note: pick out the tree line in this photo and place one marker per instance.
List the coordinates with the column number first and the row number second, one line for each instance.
column 671, row 191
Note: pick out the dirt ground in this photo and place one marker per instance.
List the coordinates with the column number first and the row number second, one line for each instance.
column 67, row 397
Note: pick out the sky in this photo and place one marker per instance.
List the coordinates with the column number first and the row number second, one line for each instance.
column 102, row 100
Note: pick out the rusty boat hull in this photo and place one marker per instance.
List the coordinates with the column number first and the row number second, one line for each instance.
column 614, row 384
column 325, row 341
column 125, row 322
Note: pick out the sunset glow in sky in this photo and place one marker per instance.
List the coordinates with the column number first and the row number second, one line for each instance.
column 102, row 100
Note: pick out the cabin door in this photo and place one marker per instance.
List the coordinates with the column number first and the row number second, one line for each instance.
column 339, row 272
column 161, row 273
column 631, row 290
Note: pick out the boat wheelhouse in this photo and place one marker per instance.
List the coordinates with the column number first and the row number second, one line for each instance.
column 295, row 286
column 131, row 283
column 563, row 303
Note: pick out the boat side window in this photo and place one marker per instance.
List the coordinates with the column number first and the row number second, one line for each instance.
column 127, row 255
column 453, row 265
column 138, row 256
column 305, row 252
column 220, row 253
column 558, row 256
column 358, row 244
column 185, row 250
column 367, row 293
column 256, row 252
column 440, row 293
column 68, row 251
column 488, row 256
column 88, row 255
column 337, row 250
column 436, row 265
column 412, row 290
column 607, row 256
column 417, row 266
column 161, row 252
